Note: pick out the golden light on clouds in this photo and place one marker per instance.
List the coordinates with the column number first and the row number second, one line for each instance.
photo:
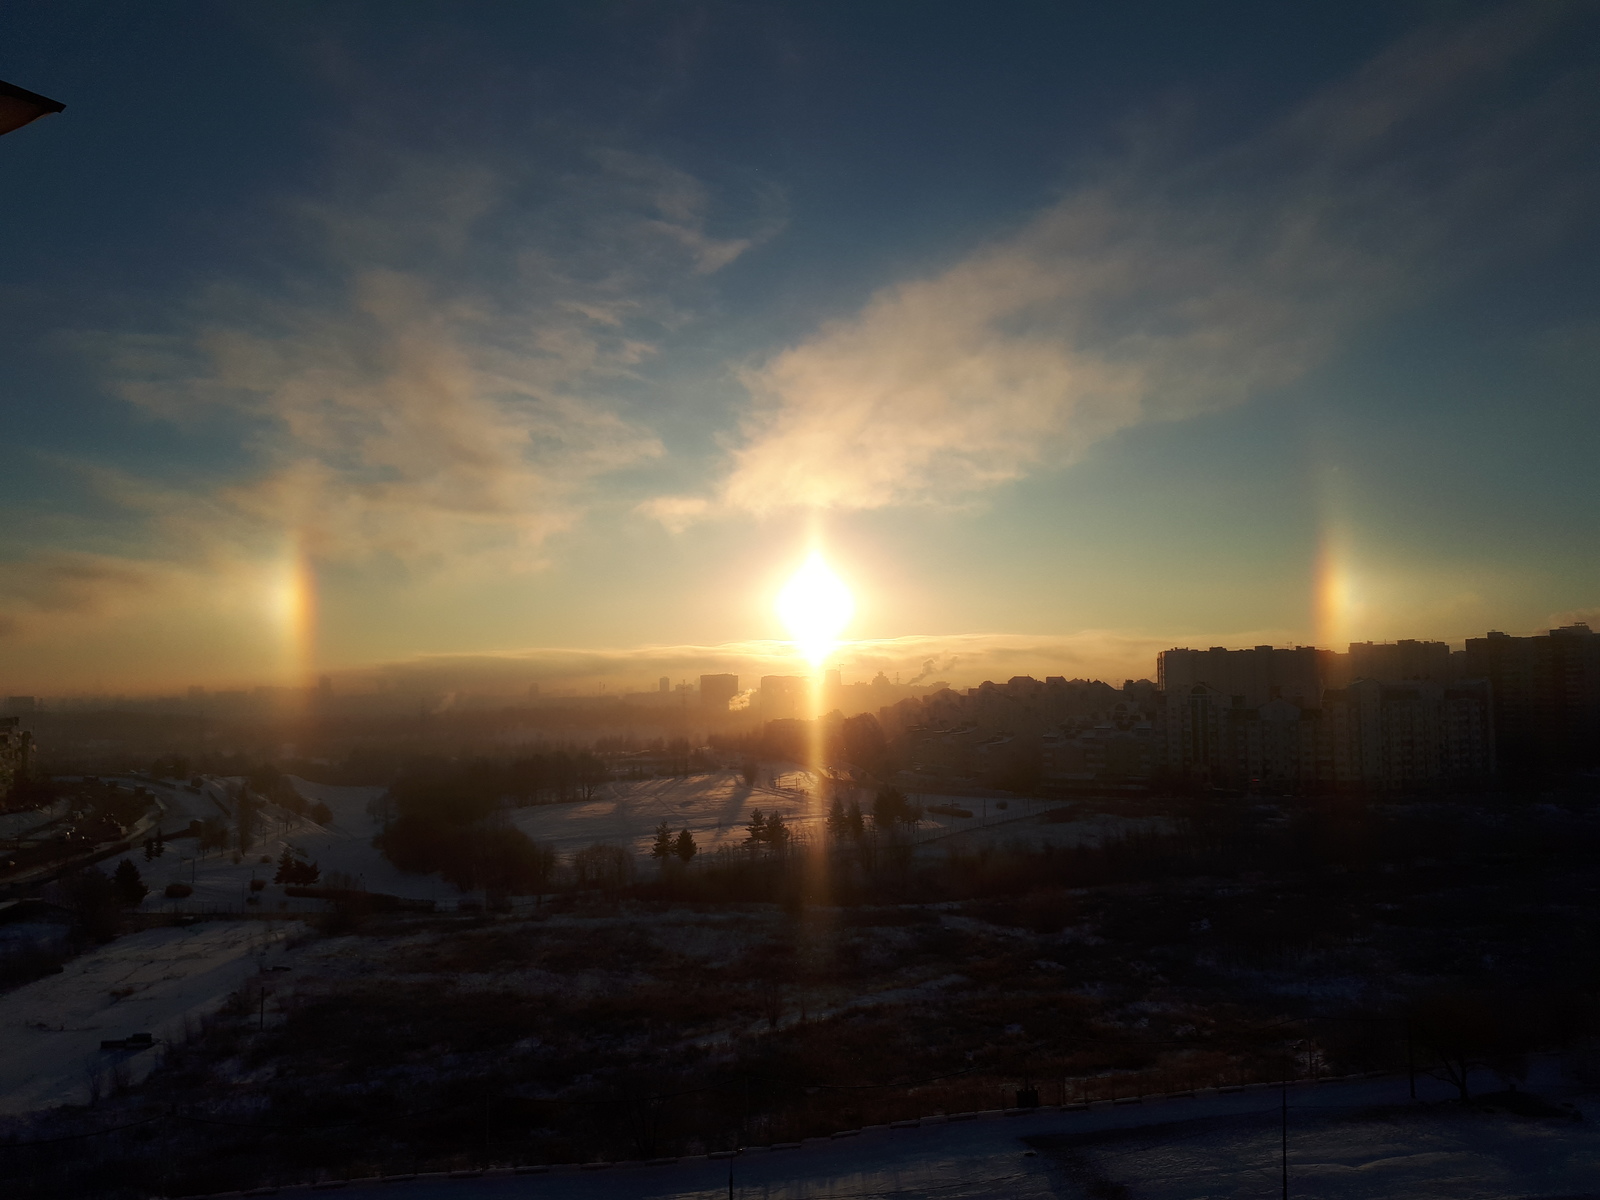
column 815, row 607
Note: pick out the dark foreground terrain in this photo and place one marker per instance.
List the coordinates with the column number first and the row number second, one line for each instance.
column 768, row 999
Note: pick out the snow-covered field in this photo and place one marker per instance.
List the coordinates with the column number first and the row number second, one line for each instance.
column 718, row 807
column 342, row 846
column 149, row 982
column 1351, row 1141
column 715, row 808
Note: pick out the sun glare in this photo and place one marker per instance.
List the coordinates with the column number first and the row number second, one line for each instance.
column 815, row 607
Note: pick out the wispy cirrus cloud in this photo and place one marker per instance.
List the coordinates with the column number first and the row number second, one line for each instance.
column 453, row 375
column 439, row 366
column 1171, row 286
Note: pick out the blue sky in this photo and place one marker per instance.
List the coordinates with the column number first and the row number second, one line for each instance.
column 343, row 336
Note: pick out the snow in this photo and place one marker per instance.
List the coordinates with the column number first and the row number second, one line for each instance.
column 343, row 846
column 146, row 982
column 715, row 808
column 1351, row 1140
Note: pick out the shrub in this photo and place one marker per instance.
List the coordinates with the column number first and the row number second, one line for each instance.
column 602, row 866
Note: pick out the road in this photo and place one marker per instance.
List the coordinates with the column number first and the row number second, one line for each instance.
column 1359, row 1138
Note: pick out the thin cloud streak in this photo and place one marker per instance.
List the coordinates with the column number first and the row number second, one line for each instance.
column 1165, row 291
column 960, row 660
column 423, row 405
column 440, row 372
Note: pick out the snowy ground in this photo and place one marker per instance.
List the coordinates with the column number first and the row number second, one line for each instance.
column 716, row 808
column 341, row 847
column 1352, row 1141
column 149, row 982
column 28, row 821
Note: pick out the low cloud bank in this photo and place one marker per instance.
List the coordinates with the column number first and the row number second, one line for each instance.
column 963, row 660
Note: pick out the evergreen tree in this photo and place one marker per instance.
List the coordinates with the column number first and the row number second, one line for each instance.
column 777, row 832
column 890, row 808
column 684, row 847
column 757, row 827
column 838, row 820
column 149, row 849
column 855, row 821
column 662, row 849
column 287, row 867
column 130, row 887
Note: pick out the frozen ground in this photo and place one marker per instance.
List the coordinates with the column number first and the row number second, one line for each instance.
column 715, row 807
column 343, row 846
column 149, row 982
column 1350, row 1141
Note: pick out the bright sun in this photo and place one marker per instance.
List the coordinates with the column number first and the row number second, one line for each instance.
column 815, row 605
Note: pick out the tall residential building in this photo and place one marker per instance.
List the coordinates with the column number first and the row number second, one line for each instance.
column 784, row 696
column 16, row 755
column 1371, row 735
column 1406, row 659
column 716, row 691
column 1546, row 695
column 1257, row 675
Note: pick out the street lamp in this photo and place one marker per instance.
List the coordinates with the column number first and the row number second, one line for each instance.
column 19, row 106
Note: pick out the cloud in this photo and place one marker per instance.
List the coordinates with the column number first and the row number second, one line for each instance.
column 1167, row 288
column 962, row 661
column 65, row 583
column 438, row 362
column 450, row 376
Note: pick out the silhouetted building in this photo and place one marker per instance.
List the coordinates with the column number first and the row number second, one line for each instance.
column 784, row 697
column 1546, row 696
column 716, row 691
column 1257, row 675
column 16, row 755
column 1406, row 659
column 1371, row 735
column 20, row 706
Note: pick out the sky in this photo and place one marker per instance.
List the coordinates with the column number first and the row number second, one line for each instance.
column 543, row 342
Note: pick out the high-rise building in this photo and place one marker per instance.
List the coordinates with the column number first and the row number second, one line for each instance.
column 666, row 685
column 1371, row 735
column 784, row 697
column 16, row 755
column 1406, row 659
column 716, row 691
column 1546, row 695
column 1258, row 675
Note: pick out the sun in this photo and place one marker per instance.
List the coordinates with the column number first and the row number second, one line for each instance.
column 815, row 606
